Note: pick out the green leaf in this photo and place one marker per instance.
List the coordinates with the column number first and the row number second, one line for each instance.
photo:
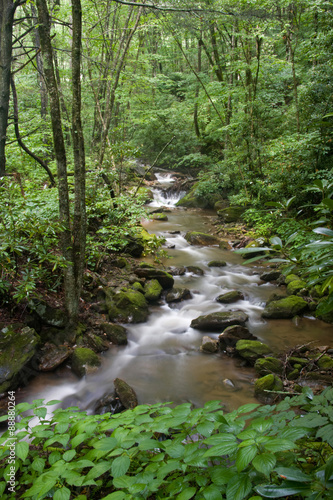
column 98, row 470
column 324, row 230
column 206, row 428
column 212, row 493
column 187, row 493
column 276, row 444
column 276, row 241
column 238, row 487
column 38, row 464
column 281, row 491
column 264, row 463
column 42, row 485
column 247, row 408
column 221, row 449
column 120, row 465
column 329, row 469
column 53, row 402
column 62, row 494
column 244, row 456
column 22, row 450
column 116, row 495
column 220, row 475
column 293, row 474
column 68, row 455
column 40, row 412
column 326, row 434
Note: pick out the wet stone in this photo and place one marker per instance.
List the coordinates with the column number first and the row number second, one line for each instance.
column 218, row 321
column 52, row 356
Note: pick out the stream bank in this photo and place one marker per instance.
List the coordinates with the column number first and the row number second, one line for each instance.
column 161, row 356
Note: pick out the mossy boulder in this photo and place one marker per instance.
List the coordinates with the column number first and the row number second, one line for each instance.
column 191, row 200
column 152, row 290
column 285, row 308
column 251, row 350
column 195, row 270
column 230, row 297
column 18, row 345
column 203, row 239
column 232, row 334
column 264, row 366
column 84, row 361
column 272, row 275
column 149, row 273
column 117, row 334
column 231, row 214
column 126, row 306
column 217, row 263
column 125, row 393
column 291, row 277
column 325, row 362
column 160, row 217
column 218, row 321
column 295, row 286
column 265, row 386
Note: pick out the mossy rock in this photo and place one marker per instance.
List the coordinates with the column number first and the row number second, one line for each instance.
column 160, row 217
column 84, row 360
column 137, row 286
column 165, row 279
column 325, row 362
column 272, row 275
column 190, row 200
column 285, row 308
column 117, row 334
column 195, row 270
column 294, row 360
column 152, row 290
column 218, row 321
column 230, row 297
column 295, row 286
column 197, row 238
column 251, row 350
column 271, row 383
column 127, row 306
column 178, row 294
column 217, row 263
column 291, row 277
column 264, row 366
column 18, row 345
column 231, row 214
column 125, row 393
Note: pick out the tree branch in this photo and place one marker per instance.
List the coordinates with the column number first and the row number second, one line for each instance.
column 173, row 9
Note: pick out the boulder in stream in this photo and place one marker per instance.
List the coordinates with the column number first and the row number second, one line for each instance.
column 196, row 238
column 266, row 387
column 126, row 306
column 125, row 393
column 230, row 297
column 209, row 345
column 217, row 263
column 178, row 294
column 232, row 334
column 116, row 334
column 152, row 290
column 218, row 321
column 165, row 279
column 251, row 350
column 264, row 366
column 84, row 361
column 285, row 308
column 53, row 356
column 18, row 345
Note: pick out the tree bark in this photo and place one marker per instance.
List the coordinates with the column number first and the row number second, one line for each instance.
column 7, row 11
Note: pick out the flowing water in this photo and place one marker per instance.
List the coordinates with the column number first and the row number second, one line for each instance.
column 162, row 361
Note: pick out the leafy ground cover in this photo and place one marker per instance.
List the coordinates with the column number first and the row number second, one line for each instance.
column 164, row 452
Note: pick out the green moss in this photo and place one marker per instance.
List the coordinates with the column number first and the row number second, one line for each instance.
column 152, row 290
column 264, row 366
column 325, row 362
column 269, row 382
column 290, row 278
column 251, row 350
column 127, row 306
column 83, row 359
column 295, row 286
column 287, row 307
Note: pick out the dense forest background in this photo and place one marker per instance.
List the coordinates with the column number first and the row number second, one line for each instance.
column 240, row 93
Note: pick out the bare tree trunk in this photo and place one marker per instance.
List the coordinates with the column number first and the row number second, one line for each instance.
column 7, row 11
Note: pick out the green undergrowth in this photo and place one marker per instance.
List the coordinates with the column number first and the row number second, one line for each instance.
column 164, row 452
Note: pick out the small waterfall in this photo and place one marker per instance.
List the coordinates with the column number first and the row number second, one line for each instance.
column 164, row 196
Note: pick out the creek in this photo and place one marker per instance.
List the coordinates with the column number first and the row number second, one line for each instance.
column 162, row 361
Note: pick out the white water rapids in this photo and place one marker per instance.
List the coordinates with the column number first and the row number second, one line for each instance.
column 162, row 361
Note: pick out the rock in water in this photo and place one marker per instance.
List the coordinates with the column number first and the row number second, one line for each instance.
column 125, row 393
column 218, row 321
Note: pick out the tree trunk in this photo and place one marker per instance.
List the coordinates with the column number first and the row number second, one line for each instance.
column 7, row 11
